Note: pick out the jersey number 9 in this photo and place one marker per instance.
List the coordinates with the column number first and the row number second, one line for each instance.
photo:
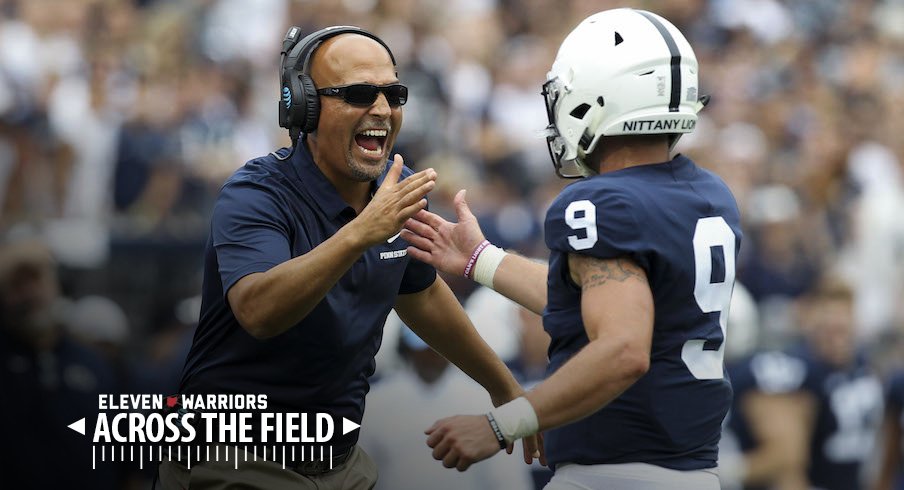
column 712, row 296
column 711, row 233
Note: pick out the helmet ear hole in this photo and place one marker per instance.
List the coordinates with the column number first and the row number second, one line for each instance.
column 618, row 38
column 580, row 111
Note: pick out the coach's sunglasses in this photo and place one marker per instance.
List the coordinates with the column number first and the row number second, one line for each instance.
column 364, row 94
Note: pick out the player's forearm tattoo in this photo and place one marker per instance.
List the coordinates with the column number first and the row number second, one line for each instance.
column 595, row 272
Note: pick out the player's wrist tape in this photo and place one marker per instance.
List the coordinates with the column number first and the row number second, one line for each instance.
column 469, row 268
column 516, row 419
column 496, row 430
column 486, row 263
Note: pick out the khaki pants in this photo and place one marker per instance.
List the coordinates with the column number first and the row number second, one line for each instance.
column 358, row 473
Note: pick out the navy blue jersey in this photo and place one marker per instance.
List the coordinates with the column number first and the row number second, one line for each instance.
column 894, row 395
column 680, row 224
column 849, row 413
column 268, row 212
column 894, row 405
column 770, row 372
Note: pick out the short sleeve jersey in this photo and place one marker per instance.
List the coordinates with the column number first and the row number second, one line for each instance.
column 849, row 412
column 267, row 213
column 894, row 396
column 680, row 223
column 769, row 372
column 894, row 405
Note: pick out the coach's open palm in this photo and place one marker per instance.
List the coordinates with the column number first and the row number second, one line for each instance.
column 394, row 202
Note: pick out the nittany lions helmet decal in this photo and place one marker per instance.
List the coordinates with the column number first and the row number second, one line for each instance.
column 619, row 72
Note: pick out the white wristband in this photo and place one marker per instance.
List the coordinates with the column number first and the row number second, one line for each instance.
column 486, row 265
column 516, row 419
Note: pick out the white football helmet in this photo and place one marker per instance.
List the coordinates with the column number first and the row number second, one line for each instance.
column 619, row 72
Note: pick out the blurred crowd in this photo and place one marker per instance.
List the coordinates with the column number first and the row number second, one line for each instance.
column 120, row 119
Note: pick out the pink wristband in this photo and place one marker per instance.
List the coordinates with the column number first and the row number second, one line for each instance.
column 470, row 267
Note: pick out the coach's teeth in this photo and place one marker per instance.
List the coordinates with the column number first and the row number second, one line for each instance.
column 378, row 151
column 375, row 132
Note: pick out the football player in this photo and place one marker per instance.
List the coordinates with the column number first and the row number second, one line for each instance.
column 807, row 416
column 845, row 395
column 767, row 423
column 642, row 264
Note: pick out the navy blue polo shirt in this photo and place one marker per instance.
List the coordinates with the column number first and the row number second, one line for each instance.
column 268, row 212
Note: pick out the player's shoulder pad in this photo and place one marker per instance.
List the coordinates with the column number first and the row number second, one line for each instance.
column 778, row 372
column 594, row 216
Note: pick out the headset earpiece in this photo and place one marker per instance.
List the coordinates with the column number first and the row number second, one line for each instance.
column 310, row 114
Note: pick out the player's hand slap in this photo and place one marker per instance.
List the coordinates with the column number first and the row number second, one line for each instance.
column 463, row 440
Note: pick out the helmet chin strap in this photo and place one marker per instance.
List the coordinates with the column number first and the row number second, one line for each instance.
column 581, row 161
column 586, row 171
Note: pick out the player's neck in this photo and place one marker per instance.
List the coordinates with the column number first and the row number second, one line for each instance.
column 617, row 153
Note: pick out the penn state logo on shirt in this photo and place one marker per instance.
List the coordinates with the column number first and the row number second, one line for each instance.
column 393, row 254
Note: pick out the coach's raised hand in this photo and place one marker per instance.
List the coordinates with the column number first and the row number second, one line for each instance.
column 394, row 203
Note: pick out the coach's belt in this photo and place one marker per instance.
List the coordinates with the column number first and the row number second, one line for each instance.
column 317, row 467
column 309, row 468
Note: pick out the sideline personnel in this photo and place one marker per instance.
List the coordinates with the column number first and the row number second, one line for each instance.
column 304, row 264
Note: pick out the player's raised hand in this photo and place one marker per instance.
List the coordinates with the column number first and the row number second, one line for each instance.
column 444, row 245
column 395, row 201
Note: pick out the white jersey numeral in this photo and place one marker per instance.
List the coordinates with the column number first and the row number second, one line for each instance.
column 710, row 233
column 857, row 406
column 586, row 221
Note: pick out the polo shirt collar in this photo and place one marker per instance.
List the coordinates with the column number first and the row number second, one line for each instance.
column 321, row 189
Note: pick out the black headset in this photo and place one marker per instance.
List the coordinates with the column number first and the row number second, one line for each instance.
column 299, row 104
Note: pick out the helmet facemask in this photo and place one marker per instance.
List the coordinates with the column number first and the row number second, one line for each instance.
column 555, row 143
column 567, row 155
